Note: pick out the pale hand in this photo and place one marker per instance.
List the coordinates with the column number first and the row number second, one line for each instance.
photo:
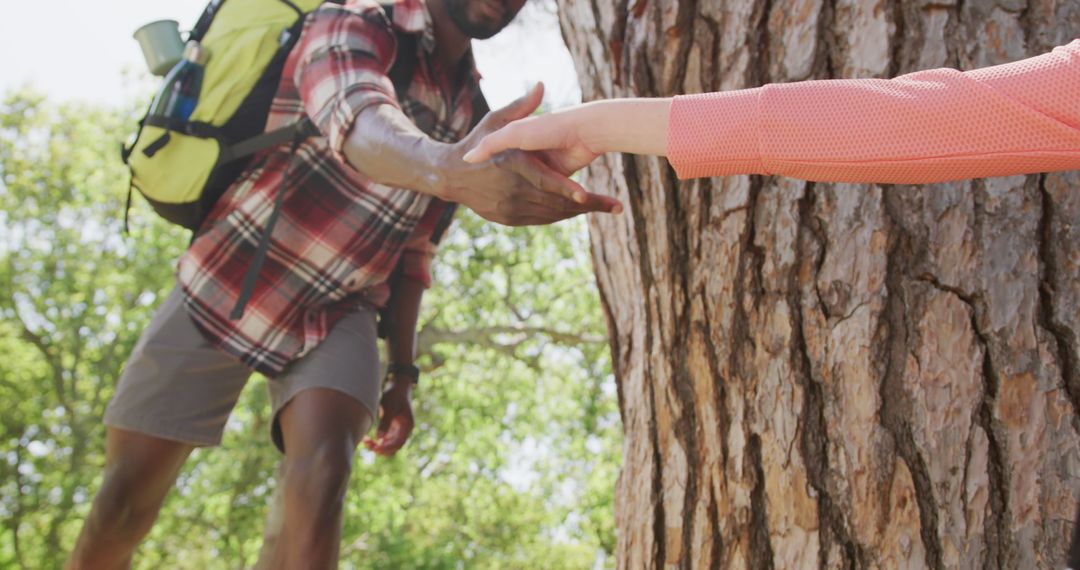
column 575, row 136
column 558, row 133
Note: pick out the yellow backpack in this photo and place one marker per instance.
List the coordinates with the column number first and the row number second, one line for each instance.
column 183, row 167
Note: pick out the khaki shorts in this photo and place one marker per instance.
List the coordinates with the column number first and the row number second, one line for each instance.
column 177, row 386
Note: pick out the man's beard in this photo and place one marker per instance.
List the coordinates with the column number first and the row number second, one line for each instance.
column 458, row 11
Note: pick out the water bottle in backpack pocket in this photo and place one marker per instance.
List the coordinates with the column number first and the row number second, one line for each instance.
column 180, row 92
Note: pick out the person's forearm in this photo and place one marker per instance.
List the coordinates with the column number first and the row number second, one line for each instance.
column 404, row 314
column 389, row 149
column 636, row 126
column 924, row 127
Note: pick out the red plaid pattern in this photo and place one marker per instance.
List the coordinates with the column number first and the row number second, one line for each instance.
column 339, row 235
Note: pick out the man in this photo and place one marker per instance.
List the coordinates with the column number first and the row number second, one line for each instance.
column 362, row 203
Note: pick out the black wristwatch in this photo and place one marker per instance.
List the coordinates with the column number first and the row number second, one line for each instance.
column 407, row 370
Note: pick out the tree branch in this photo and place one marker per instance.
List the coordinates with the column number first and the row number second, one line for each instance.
column 487, row 336
column 55, row 365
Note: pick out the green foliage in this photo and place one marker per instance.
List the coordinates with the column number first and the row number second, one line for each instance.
column 513, row 461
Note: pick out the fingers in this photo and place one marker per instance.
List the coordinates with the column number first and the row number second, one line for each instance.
column 380, row 432
column 600, row 203
column 537, row 213
column 550, row 186
column 395, row 438
column 539, row 195
column 551, row 131
column 391, row 437
column 535, row 207
column 520, row 108
column 511, row 136
column 525, row 105
column 502, row 139
column 542, row 176
column 389, row 444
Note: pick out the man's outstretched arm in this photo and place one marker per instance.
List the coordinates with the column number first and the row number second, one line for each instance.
column 341, row 75
column 514, row 188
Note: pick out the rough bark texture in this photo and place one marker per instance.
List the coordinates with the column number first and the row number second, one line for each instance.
column 824, row 375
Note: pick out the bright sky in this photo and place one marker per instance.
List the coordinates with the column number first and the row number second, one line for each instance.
column 83, row 49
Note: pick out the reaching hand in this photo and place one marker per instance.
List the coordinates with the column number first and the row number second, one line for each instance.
column 575, row 136
column 395, row 420
column 559, row 133
column 516, row 187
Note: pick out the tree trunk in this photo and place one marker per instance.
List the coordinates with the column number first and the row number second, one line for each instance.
column 832, row 375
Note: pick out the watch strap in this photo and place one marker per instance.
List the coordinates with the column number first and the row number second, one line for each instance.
column 407, row 370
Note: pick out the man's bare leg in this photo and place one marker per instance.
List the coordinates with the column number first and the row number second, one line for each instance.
column 139, row 471
column 321, row 429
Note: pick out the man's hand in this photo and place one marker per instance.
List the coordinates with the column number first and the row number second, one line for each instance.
column 395, row 419
column 515, row 187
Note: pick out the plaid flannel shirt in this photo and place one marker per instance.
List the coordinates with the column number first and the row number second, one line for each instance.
column 340, row 236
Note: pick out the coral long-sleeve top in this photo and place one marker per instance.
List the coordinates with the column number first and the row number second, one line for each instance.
column 929, row 126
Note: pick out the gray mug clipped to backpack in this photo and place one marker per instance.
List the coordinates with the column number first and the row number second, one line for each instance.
column 161, row 44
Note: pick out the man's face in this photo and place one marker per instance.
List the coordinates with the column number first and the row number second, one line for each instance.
column 481, row 19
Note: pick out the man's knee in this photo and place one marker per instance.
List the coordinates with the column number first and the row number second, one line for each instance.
column 124, row 507
column 317, row 481
column 139, row 473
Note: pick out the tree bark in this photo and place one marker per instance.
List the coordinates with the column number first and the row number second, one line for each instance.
column 834, row 375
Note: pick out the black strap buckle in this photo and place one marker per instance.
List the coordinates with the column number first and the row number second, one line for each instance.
column 404, row 370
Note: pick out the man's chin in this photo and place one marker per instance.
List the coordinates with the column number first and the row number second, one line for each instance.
column 477, row 26
column 484, row 34
column 482, row 31
column 483, row 28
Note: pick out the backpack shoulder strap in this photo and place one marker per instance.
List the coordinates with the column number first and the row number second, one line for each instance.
column 401, row 73
column 204, row 21
column 480, row 109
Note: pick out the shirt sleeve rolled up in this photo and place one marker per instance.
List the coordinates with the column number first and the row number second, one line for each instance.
column 345, row 54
